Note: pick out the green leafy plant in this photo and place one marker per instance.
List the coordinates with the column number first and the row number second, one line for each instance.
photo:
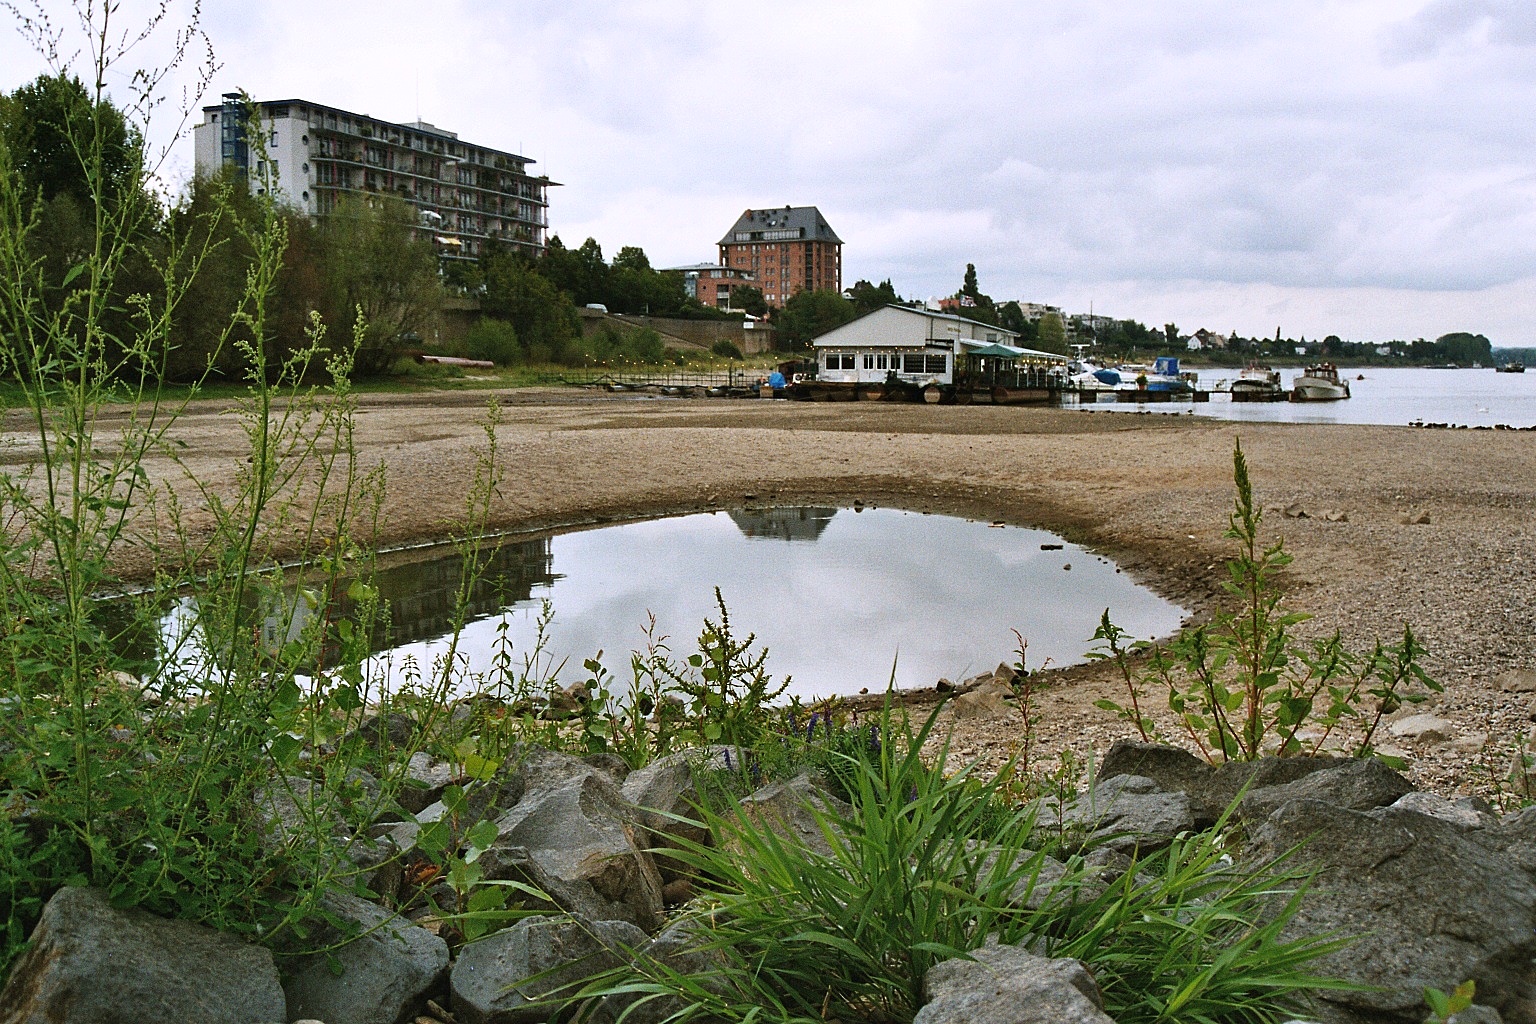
column 1245, row 684
column 1444, row 1007
column 455, row 842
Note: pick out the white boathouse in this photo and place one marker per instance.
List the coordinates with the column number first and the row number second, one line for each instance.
column 919, row 346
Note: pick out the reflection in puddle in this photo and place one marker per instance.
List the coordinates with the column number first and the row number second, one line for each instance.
column 842, row 599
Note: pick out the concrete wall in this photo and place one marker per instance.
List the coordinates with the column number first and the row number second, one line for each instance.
column 460, row 314
column 705, row 333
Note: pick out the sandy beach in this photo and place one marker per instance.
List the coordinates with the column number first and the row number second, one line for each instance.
column 1432, row 528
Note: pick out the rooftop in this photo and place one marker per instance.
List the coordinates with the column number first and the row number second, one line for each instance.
column 786, row 223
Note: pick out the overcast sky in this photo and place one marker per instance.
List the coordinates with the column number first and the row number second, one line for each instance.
column 1363, row 168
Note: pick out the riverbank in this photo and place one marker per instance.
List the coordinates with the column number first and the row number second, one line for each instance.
column 1151, row 492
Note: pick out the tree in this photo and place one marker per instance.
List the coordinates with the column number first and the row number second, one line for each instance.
column 749, row 300
column 495, row 340
column 44, row 123
column 543, row 316
column 1051, row 334
column 810, row 314
column 970, row 287
column 631, row 257
column 1464, row 349
column 375, row 264
column 868, row 297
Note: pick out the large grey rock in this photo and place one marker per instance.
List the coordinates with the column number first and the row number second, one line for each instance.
column 666, row 796
column 1007, row 985
column 1463, row 812
column 799, row 811
column 1172, row 768
column 1350, row 782
column 1513, row 836
column 293, row 810
column 388, row 967
column 1124, row 813
column 425, row 779
column 1422, row 728
column 89, row 963
column 524, row 974
column 575, row 826
column 1357, row 783
column 1431, row 905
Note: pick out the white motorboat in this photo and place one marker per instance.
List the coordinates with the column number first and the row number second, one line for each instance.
column 1319, row 383
column 1257, row 383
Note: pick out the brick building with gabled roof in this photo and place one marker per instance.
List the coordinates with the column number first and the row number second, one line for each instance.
column 787, row 249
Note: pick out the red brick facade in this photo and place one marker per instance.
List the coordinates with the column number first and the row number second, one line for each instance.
column 785, row 250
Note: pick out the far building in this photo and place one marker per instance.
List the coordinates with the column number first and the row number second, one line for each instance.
column 787, row 249
column 918, row 346
column 466, row 196
column 712, row 284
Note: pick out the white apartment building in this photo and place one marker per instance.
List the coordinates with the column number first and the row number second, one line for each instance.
column 313, row 155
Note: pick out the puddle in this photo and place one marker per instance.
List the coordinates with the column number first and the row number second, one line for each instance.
column 842, row 599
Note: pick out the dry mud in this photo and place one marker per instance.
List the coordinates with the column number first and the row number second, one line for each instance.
column 1152, row 492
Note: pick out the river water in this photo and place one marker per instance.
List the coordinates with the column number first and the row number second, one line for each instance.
column 1393, row 396
column 844, row 600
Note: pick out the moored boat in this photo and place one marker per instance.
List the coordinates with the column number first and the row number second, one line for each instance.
column 1257, row 383
column 1513, row 366
column 1319, row 383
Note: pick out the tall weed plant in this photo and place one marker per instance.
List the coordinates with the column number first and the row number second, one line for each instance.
column 1246, row 684
column 156, row 766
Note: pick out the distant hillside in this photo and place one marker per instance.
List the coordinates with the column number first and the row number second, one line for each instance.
column 1521, row 355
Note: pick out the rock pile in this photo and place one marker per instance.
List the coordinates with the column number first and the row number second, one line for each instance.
column 1434, row 891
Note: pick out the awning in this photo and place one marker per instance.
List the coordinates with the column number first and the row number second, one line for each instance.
column 1008, row 351
column 443, row 240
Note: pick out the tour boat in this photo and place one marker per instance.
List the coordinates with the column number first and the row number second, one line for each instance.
column 1319, row 383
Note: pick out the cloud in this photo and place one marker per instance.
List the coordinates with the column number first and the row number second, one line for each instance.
column 1281, row 151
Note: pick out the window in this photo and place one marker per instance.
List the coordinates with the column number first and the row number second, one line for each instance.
column 840, row 361
column 916, row 362
column 869, row 362
column 881, row 362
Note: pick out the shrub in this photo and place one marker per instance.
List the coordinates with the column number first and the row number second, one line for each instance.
column 727, row 348
column 495, row 340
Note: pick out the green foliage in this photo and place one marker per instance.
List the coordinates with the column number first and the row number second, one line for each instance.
column 810, row 314
column 378, row 268
column 868, row 297
column 727, row 349
column 929, row 865
column 1051, row 334
column 495, row 340
column 1444, row 1007
column 1244, row 685
column 544, row 318
column 1465, row 349
column 750, row 300
column 66, row 142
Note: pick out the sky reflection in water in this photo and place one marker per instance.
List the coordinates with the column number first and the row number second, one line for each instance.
column 838, row 597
